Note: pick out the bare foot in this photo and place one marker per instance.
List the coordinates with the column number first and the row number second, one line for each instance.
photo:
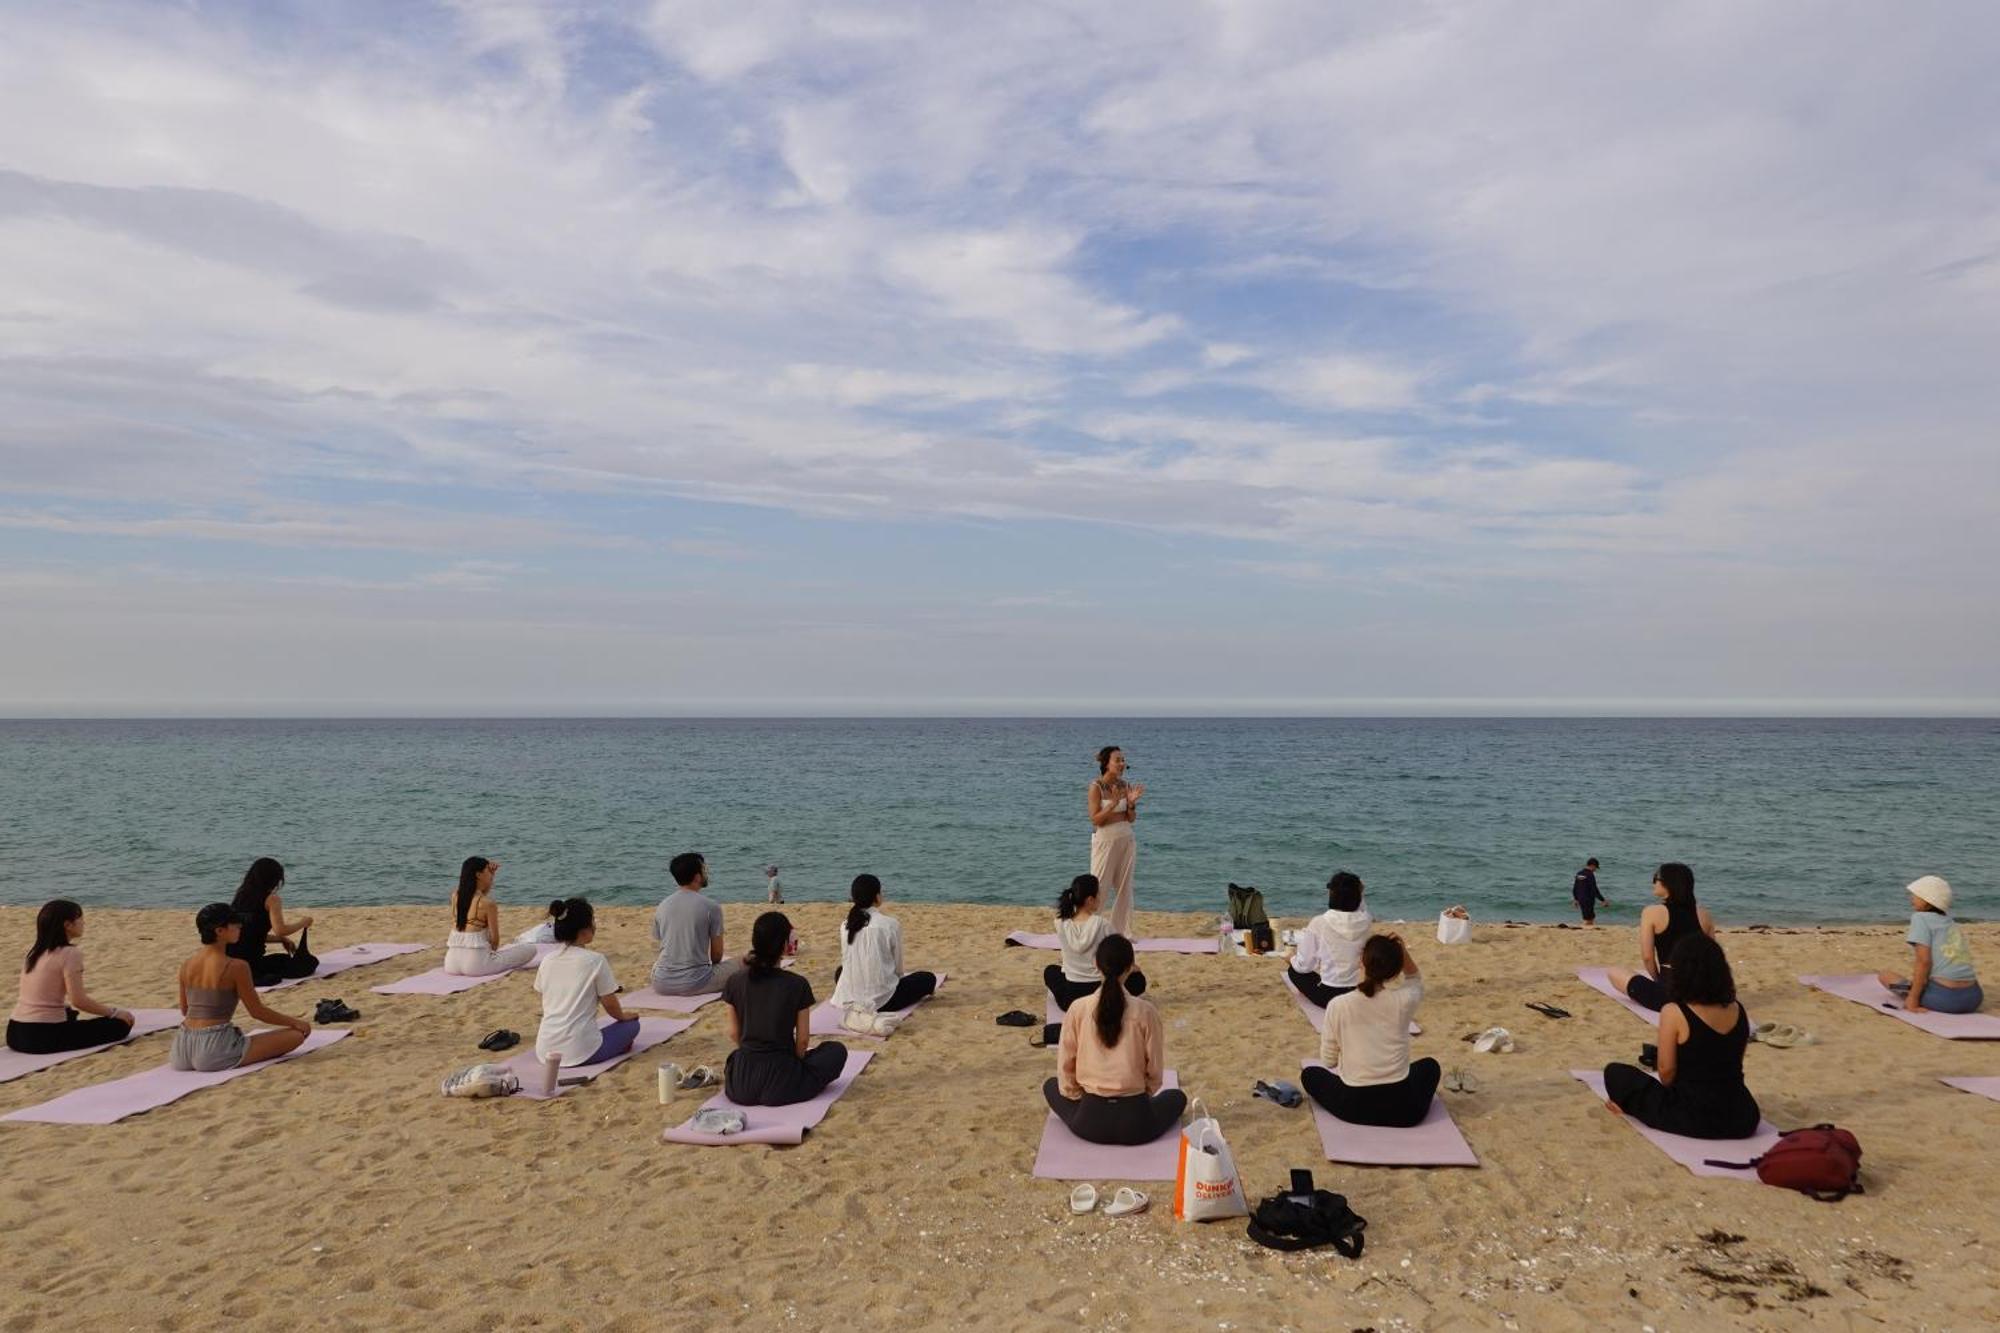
column 1613, row 1107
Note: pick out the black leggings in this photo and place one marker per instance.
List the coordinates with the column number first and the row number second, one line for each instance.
column 1647, row 993
column 1695, row 1112
column 780, row 1078
column 1393, row 1105
column 913, row 986
column 1310, row 987
column 1066, row 992
column 72, row 1034
column 282, row 966
column 1140, row 1118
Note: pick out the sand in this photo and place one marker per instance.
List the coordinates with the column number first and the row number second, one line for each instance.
column 343, row 1192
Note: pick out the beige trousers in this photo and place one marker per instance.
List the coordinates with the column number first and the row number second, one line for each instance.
column 1113, row 849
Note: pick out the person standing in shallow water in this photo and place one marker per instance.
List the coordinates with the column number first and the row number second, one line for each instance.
column 774, row 892
column 1113, row 806
column 1584, row 890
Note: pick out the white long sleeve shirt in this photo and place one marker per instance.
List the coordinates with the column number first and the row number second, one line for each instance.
column 871, row 966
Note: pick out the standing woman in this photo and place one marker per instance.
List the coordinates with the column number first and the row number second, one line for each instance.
column 1662, row 926
column 45, row 1021
column 1113, row 806
column 212, row 984
column 262, row 913
column 473, row 947
column 870, row 977
column 770, row 1020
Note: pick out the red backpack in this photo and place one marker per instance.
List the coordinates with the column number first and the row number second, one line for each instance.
column 1823, row 1161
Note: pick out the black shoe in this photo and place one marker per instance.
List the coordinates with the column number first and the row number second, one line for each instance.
column 334, row 1011
column 1014, row 1018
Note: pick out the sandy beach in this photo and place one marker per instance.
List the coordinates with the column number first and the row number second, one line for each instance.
column 342, row 1190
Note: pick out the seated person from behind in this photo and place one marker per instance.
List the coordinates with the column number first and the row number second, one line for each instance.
column 260, row 911
column 1080, row 928
column 1365, row 1042
column 687, row 927
column 45, row 1021
column 1327, row 962
column 473, row 948
column 1111, row 1061
column 1663, row 925
column 870, row 978
column 212, row 984
column 1943, row 978
column 574, row 982
column 770, row 1022
column 1700, row 1092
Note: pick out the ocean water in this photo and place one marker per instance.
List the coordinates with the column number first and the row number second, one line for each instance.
column 1782, row 820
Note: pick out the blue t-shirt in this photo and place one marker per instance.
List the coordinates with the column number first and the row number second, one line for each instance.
column 1951, row 956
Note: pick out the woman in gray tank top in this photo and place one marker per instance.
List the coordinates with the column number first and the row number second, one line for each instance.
column 212, row 984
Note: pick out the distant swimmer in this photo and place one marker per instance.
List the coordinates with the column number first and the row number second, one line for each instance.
column 1584, row 890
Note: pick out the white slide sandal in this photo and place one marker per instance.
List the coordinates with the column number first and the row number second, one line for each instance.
column 1083, row 1199
column 1126, row 1202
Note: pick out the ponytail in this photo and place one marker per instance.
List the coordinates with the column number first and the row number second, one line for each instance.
column 1114, row 960
column 555, row 908
column 1381, row 960
column 1080, row 891
column 770, row 936
column 866, row 891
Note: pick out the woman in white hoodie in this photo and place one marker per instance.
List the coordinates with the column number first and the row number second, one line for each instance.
column 1327, row 962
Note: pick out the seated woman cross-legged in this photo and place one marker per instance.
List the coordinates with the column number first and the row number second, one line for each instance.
column 1662, row 926
column 770, row 1020
column 260, row 908
column 574, row 982
column 1080, row 928
column 870, row 978
column 1943, row 978
column 1112, row 1060
column 1327, row 963
column 1703, row 1030
column 473, row 948
column 1365, row 1041
column 212, row 984
column 46, row 1021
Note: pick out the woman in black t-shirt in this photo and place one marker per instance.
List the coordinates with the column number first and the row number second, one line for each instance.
column 263, row 915
column 770, row 1020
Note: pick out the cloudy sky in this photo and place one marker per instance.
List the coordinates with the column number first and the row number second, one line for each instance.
column 721, row 356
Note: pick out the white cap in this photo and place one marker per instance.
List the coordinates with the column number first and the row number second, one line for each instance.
column 1933, row 890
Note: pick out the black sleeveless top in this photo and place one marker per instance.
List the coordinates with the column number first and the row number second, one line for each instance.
column 256, row 936
column 1681, row 923
column 1710, row 1061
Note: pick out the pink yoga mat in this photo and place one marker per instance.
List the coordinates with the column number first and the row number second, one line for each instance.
column 1979, row 1087
column 673, row 1004
column 772, row 1124
column 336, row 961
column 1599, row 979
column 145, row 1022
column 1435, row 1142
column 437, row 981
column 1028, row 939
column 652, row 1031
column 826, row 1018
column 1064, row 1156
column 1694, row 1153
column 1051, row 1012
column 108, row 1103
column 1866, row 990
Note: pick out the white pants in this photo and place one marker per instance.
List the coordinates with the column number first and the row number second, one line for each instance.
column 482, row 959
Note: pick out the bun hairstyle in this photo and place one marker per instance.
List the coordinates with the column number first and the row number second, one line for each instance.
column 866, row 891
column 770, row 936
column 1080, row 891
column 1698, row 972
column 1381, row 959
column 1678, row 881
column 1343, row 891
column 555, row 908
column 573, row 916
column 468, row 887
column 211, row 919
column 1104, row 757
column 264, row 878
column 1114, row 960
column 49, row 933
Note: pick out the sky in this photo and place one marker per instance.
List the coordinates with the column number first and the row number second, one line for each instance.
column 817, row 357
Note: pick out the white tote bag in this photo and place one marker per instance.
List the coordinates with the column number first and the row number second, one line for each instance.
column 1454, row 929
column 1206, row 1185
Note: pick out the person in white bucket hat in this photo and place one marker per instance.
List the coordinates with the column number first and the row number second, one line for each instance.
column 1943, row 978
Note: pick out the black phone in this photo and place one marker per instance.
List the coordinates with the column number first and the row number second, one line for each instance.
column 1301, row 1192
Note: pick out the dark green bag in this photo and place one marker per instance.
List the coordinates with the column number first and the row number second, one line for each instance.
column 1246, row 912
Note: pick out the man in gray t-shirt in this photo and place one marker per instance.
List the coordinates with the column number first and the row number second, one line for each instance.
column 688, row 929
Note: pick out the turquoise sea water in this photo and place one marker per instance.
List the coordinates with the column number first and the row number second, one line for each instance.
column 1783, row 820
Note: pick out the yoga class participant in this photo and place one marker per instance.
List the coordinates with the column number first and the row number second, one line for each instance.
column 262, row 915
column 1662, row 926
column 45, row 1021
column 1703, row 1032
column 1944, row 978
column 212, row 983
column 1113, row 805
column 688, row 930
column 1112, row 1060
column 573, row 982
column 870, row 977
column 770, row 1021
column 1327, row 962
column 1365, row 1042
column 473, row 948
column 1081, row 928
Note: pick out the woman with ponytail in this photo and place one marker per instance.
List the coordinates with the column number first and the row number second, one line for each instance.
column 473, row 947
column 574, row 982
column 1112, row 1060
column 1365, row 1044
column 870, row 978
column 1081, row 928
column 770, row 1020
column 47, row 1020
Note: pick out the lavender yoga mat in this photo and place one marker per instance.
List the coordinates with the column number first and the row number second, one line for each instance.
column 673, row 1004
column 826, row 1018
column 1978, row 1087
column 1866, row 990
column 437, row 981
column 108, row 1103
column 1694, row 1153
column 772, row 1124
column 346, row 959
column 1433, row 1142
column 1599, row 979
column 1064, row 1156
column 145, row 1022
column 652, row 1031
column 1029, row 940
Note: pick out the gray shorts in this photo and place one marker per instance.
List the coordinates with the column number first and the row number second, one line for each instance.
column 208, row 1050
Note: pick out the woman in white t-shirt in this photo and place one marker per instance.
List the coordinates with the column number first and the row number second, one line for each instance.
column 573, row 982
column 1365, row 1042
column 1080, row 928
column 870, row 978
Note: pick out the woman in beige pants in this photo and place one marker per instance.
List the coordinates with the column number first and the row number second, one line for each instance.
column 1113, row 805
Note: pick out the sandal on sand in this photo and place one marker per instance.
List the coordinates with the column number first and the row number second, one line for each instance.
column 1277, row 1090
column 500, row 1039
column 1014, row 1018
column 701, row 1076
column 1083, row 1199
column 1784, row 1036
column 1494, row 1041
column 1547, row 1010
column 1461, row 1080
column 1126, row 1202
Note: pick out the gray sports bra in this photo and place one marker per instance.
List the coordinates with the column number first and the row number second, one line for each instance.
column 211, row 1002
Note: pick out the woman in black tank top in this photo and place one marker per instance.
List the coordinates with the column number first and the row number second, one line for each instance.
column 1700, row 1091
column 1673, row 884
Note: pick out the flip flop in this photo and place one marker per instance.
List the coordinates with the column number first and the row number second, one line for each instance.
column 1083, row 1199
column 1461, row 1080
column 1014, row 1018
column 1126, row 1202
column 701, row 1076
column 500, row 1039
column 1494, row 1041
column 1547, row 1010
column 1783, row 1036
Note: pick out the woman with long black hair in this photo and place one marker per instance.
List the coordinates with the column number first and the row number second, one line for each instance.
column 1704, row 1030
column 473, row 948
column 1080, row 928
column 1113, row 805
column 1662, row 926
column 262, row 913
column 870, row 978
column 770, row 1021
column 46, row 1020
column 1111, row 1062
